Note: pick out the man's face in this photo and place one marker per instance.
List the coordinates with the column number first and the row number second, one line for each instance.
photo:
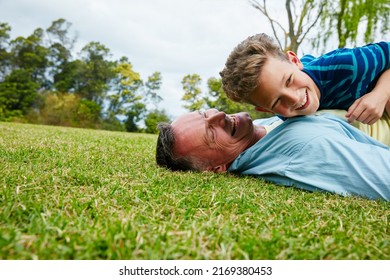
column 214, row 137
column 284, row 89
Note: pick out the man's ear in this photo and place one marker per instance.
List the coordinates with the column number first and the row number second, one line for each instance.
column 261, row 109
column 218, row 169
column 293, row 58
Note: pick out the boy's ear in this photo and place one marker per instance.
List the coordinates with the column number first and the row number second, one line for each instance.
column 293, row 58
column 261, row 109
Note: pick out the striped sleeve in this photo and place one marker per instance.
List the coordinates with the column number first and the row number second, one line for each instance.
column 344, row 75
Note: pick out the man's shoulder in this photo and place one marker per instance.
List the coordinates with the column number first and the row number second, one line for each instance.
column 298, row 131
column 317, row 122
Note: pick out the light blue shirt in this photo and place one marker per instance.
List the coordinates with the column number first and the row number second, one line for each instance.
column 320, row 153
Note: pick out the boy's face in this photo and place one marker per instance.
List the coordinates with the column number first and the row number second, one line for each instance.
column 284, row 89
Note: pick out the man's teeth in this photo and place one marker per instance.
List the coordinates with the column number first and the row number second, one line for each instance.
column 234, row 124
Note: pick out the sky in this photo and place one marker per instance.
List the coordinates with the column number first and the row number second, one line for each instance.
column 173, row 37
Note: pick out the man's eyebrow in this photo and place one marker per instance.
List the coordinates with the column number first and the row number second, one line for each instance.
column 284, row 78
column 206, row 137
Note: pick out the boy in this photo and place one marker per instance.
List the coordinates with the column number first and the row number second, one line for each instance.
column 357, row 80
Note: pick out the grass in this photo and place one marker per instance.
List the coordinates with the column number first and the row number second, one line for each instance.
column 70, row 193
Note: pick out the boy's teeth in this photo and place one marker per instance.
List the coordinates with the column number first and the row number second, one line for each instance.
column 303, row 102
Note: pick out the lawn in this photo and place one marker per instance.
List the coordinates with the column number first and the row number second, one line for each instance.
column 69, row 193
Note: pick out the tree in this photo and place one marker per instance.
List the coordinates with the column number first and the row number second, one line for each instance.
column 70, row 77
column 302, row 16
column 97, row 74
column 152, row 85
column 4, row 54
column 39, row 72
column 126, row 85
column 153, row 118
column 342, row 17
column 25, row 75
column 192, row 92
column 214, row 98
column 348, row 18
column 17, row 93
column 63, row 71
column 31, row 55
column 134, row 115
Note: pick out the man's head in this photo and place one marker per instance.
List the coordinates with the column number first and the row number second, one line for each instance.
column 205, row 141
column 258, row 73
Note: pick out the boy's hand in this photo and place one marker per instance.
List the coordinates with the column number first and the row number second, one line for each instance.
column 368, row 108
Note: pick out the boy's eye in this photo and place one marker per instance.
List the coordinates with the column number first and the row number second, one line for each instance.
column 275, row 103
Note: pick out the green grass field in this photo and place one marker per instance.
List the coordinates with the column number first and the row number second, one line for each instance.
column 70, row 193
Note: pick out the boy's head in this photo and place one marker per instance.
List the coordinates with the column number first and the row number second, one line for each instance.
column 244, row 64
column 259, row 73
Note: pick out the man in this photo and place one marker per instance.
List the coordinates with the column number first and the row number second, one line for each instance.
column 310, row 152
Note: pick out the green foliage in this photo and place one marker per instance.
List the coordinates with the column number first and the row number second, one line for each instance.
column 192, row 92
column 215, row 98
column 152, row 85
column 350, row 17
column 112, row 124
column 98, row 72
column 4, row 54
column 101, row 91
column 153, row 118
column 30, row 54
column 17, row 93
column 126, row 90
column 68, row 77
column 65, row 72
column 134, row 116
column 88, row 113
column 87, row 194
column 69, row 110
column 318, row 21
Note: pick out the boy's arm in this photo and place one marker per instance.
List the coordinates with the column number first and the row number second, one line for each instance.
column 370, row 107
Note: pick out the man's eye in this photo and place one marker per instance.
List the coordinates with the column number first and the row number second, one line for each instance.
column 289, row 80
column 210, row 134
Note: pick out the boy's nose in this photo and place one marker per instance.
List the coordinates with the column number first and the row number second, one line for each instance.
column 291, row 99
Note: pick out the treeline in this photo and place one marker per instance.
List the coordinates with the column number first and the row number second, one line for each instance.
column 41, row 81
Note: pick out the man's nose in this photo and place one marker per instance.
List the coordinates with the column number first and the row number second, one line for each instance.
column 216, row 117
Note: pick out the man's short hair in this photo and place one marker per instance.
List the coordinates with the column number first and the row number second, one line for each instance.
column 165, row 151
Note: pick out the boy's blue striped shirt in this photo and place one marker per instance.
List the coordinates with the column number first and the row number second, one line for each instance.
column 344, row 75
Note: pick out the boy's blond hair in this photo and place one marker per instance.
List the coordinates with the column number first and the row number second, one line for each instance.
column 240, row 77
